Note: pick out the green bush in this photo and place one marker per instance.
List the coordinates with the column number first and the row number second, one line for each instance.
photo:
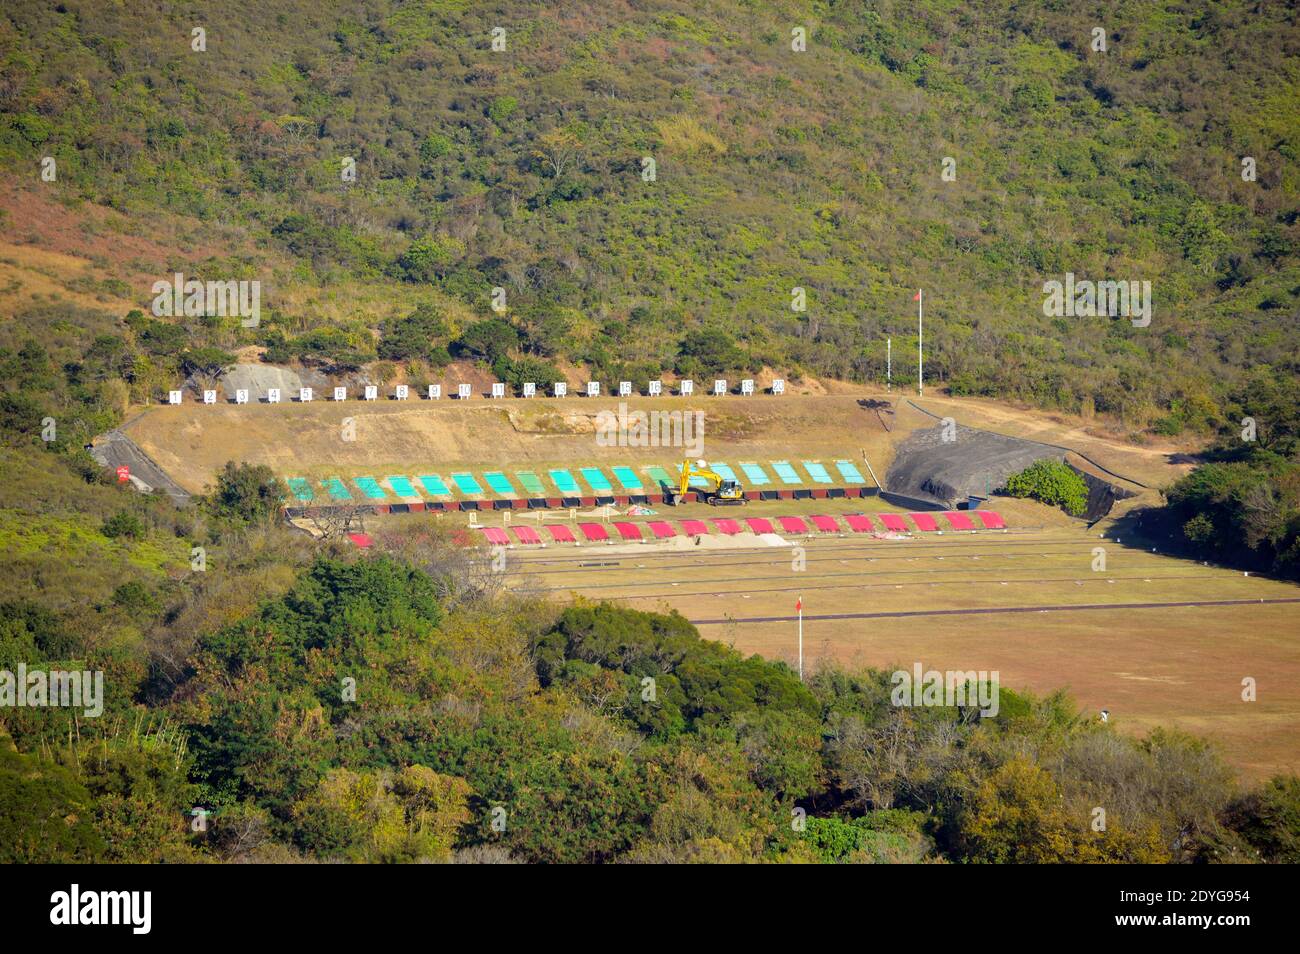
column 1052, row 482
column 124, row 524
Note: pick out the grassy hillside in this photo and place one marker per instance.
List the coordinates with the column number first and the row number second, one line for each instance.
column 774, row 169
column 324, row 704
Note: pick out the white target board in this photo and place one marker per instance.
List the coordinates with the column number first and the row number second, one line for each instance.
column 173, row 397
column 561, row 389
column 625, row 389
column 241, row 396
column 340, row 394
column 209, row 397
column 463, row 391
column 593, row 389
column 498, row 390
column 402, row 392
column 305, row 395
column 655, row 388
column 720, row 386
column 372, row 392
column 272, row 395
column 530, row 389
column 747, row 386
column 778, row 386
column 435, row 392
column 686, row 388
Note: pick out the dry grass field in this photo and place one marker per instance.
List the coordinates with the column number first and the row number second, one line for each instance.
column 1025, row 602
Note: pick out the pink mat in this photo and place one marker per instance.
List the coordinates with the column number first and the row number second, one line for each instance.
column 759, row 525
column 727, row 525
column 826, row 524
column 560, row 533
column 959, row 520
column 924, row 521
column 792, row 524
column 628, row 531
column 526, row 535
column 893, row 521
column 859, row 524
column 662, row 529
column 594, row 531
column 991, row 520
column 694, row 528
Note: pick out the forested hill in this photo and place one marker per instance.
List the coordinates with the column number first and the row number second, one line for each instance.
column 774, row 168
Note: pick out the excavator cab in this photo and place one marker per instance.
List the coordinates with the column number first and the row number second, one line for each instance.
column 717, row 490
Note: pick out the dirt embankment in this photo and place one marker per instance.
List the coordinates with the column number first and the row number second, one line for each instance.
column 869, row 426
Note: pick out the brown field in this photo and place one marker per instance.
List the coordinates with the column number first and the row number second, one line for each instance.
column 1162, row 665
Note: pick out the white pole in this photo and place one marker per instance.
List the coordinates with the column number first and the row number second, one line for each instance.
column 920, row 352
column 889, row 364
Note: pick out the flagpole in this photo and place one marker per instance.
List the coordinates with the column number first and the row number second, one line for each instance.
column 889, row 364
column 920, row 353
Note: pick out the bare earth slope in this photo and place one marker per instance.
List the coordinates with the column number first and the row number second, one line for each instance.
column 191, row 442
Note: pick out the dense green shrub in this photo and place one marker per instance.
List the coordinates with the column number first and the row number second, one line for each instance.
column 1051, row 482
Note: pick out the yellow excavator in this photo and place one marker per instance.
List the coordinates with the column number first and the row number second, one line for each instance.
column 717, row 490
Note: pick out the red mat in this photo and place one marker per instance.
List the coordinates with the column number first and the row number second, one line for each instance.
column 361, row 539
column 924, row 521
column 495, row 535
column 628, row 531
column 959, row 520
column 727, row 525
column 594, row 531
column 693, row 528
column 859, row 523
column 893, row 521
column 662, row 529
column 526, row 535
column 759, row 525
column 560, row 533
column 991, row 520
column 826, row 524
column 792, row 524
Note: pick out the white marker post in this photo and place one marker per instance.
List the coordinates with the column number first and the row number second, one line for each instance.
column 920, row 352
column 889, row 364
column 798, row 605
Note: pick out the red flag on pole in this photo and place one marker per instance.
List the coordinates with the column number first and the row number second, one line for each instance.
column 917, row 296
column 798, row 604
